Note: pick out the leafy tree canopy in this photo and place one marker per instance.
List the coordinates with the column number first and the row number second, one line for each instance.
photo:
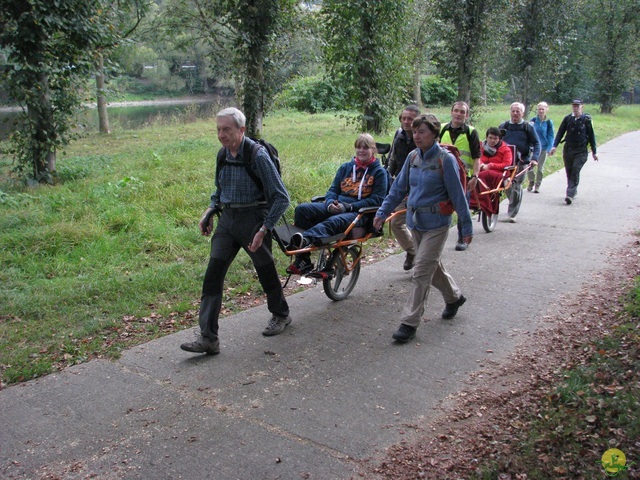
column 51, row 47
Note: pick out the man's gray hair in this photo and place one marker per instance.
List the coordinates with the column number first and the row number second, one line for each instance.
column 238, row 117
column 518, row 104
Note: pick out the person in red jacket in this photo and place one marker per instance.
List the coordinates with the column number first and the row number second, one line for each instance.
column 496, row 155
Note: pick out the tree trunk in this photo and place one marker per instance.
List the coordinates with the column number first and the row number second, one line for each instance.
column 205, row 84
column 103, row 116
column 417, row 88
column 41, row 118
column 606, row 106
column 464, row 80
column 252, row 101
column 484, row 84
column 417, row 82
column 526, row 80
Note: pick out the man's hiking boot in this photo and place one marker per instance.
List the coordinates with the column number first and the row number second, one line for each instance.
column 202, row 345
column 276, row 325
column 451, row 309
column 404, row 333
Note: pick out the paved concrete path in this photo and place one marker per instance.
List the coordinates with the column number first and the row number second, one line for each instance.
column 333, row 389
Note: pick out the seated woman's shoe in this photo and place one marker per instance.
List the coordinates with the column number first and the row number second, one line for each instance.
column 301, row 265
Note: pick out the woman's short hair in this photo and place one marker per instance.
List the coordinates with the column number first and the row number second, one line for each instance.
column 431, row 121
column 365, row 140
column 543, row 104
column 493, row 131
column 238, row 117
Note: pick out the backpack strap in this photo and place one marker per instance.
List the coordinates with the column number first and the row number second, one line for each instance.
column 221, row 161
column 249, row 154
column 407, row 165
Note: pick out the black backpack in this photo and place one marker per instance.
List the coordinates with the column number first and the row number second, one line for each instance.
column 250, row 152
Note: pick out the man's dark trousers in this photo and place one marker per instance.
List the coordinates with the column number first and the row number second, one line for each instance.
column 574, row 159
column 236, row 229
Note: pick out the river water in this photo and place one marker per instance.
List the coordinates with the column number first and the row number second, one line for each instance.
column 136, row 115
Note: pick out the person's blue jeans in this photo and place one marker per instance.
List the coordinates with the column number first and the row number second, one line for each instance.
column 320, row 223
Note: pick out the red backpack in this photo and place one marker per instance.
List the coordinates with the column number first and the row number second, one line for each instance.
column 447, row 208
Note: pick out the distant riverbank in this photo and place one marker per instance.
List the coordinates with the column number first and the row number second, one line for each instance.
column 134, row 114
column 143, row 103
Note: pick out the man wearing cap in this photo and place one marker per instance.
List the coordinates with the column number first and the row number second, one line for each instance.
column 579, row 136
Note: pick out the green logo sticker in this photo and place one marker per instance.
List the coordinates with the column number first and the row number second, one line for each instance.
column 614, row 461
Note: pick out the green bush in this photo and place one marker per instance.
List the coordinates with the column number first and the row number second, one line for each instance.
column 437, row 91
column 496, row 91
column 313, row 95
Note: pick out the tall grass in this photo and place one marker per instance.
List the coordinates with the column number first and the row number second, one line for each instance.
column 114, row 247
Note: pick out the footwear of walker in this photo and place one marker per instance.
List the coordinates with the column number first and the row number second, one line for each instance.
column 451, row 309
column 512, row 220
column 202, row 345
column 461, row 246
column 404, row 333
column 276, row 325
column 301, row 265
column 529, row 188
column 568, row 200
column 409, row 261
column 536, row 189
